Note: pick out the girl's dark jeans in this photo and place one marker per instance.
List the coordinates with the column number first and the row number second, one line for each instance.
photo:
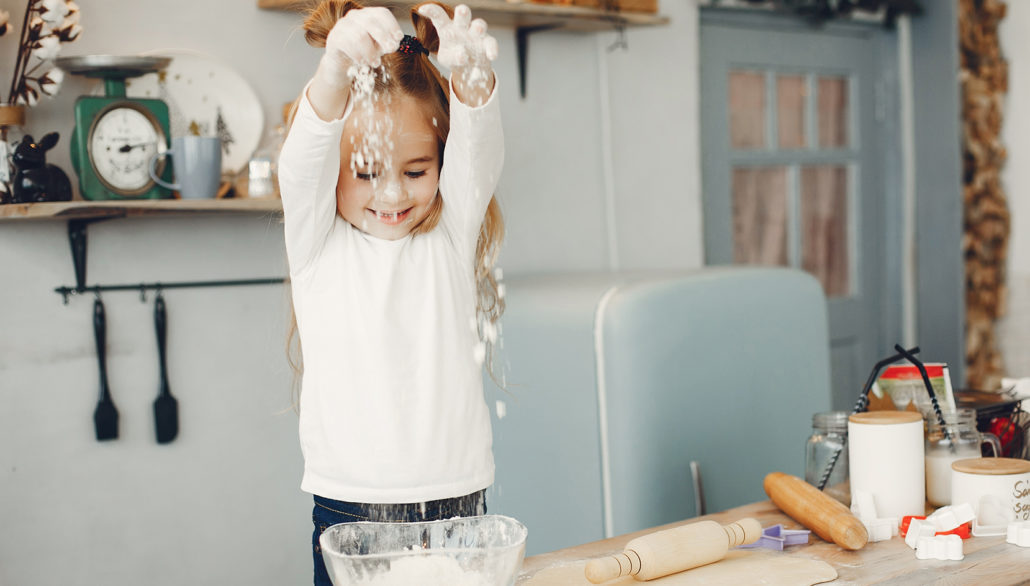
column 329, row 512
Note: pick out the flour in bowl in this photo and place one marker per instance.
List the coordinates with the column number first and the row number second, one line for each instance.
column 432, row 570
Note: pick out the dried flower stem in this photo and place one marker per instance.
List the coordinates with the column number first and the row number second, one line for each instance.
column 23, row 53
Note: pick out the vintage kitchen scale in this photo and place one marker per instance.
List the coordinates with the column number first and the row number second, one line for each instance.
column 116, row 135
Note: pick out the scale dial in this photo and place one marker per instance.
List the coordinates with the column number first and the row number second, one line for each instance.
column 122, row 140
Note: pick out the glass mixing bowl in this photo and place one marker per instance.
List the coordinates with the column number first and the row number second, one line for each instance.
column 467, row 551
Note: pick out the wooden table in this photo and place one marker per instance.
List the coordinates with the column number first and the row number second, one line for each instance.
column 988, row 560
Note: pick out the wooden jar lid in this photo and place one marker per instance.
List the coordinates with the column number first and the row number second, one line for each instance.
column 11, row 115
column 886, row 417
column 991, row 466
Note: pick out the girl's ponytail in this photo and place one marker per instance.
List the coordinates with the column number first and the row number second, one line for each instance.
column 323, row 17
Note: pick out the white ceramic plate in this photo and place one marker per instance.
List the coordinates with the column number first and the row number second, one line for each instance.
column 206, row 97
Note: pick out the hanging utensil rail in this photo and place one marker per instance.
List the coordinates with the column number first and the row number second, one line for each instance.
column 77, row 241
column 67, row 292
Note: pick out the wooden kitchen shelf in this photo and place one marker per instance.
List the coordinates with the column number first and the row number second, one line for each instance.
column 524, row 16
column 519, row 14
column 83, row 209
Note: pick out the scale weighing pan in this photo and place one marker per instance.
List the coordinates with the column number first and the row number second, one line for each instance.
column 117, row 66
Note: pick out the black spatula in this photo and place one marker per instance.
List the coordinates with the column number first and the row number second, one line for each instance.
column 166, row 408
column 105, row 417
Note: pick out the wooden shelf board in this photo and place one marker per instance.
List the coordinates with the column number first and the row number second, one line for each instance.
column 152, row 207
column 517, row 14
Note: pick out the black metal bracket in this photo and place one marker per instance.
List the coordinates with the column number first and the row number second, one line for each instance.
column 77, row 240
column 77, row 232
column 522, row 49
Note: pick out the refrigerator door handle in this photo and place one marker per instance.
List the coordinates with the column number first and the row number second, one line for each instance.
column 699, row 491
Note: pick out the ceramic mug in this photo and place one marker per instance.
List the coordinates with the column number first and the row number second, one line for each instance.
column 197, row 165
column 998, row 489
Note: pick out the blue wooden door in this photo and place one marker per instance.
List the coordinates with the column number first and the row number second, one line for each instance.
column 795, row 130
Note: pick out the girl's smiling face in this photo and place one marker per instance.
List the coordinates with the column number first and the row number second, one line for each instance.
column 389, row 201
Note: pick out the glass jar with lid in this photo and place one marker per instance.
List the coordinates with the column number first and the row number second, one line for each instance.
column 957, row 439
column 828, row 444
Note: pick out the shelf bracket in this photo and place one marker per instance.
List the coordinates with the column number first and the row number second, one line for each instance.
column 522, row 49
column 77, row 240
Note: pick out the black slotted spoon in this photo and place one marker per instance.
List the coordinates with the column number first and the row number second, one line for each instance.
column 166, row 408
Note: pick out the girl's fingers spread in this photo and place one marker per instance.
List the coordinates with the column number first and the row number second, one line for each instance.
column 462, row 16
column 437, row 14
column 382, row 27
column 378, row 14
column 490, row 47
column 362, row 49
column 387, row 37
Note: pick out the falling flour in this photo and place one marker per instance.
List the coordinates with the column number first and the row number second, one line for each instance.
column 435, row 570
column 373, row 147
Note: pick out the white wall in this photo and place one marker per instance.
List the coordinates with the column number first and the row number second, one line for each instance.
column 1014, row 328
column 221, row 505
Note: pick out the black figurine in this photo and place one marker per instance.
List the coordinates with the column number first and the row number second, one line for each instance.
column 36, row 180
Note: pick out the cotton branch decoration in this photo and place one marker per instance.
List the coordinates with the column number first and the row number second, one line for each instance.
column 47, row 25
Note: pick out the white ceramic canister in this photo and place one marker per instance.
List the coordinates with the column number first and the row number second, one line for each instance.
column 886, row 461
column 998, row 489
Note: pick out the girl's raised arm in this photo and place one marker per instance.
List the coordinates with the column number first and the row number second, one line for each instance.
column 466, row 50
column 361, row 37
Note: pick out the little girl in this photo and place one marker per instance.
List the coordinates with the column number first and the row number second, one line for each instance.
column 387, row 179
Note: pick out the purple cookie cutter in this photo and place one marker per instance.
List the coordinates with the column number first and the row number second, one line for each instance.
column 776, row 537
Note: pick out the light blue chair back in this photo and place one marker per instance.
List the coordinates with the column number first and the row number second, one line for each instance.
column 615, row 383
column 723, row 367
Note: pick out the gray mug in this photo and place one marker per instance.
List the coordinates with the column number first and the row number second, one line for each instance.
column 197, row 165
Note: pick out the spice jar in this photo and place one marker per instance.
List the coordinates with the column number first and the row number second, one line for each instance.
column 828, row 443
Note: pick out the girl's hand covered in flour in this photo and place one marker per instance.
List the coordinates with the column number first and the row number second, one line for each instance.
column 466, row 50
column 361, row 37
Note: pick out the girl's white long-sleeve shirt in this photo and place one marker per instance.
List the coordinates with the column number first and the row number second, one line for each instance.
column 392, row 407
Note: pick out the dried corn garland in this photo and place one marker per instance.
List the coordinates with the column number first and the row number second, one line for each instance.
column 984, row 79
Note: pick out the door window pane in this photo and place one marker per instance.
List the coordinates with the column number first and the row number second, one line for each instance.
column 791, row 96
column 824, row 227
column 833, row 112
column 760, row 215
column 747, row 109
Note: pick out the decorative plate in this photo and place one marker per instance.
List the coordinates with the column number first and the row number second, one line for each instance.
column 206, row 97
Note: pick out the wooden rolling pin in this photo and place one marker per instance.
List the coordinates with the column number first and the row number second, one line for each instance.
column 816, row 510
column 674, row 550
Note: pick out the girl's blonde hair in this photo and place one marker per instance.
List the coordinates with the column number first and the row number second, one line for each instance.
column 414, row 75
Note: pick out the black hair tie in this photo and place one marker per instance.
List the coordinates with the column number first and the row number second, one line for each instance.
column 411, row 46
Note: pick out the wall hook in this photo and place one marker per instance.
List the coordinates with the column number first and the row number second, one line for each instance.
column 621, row 41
